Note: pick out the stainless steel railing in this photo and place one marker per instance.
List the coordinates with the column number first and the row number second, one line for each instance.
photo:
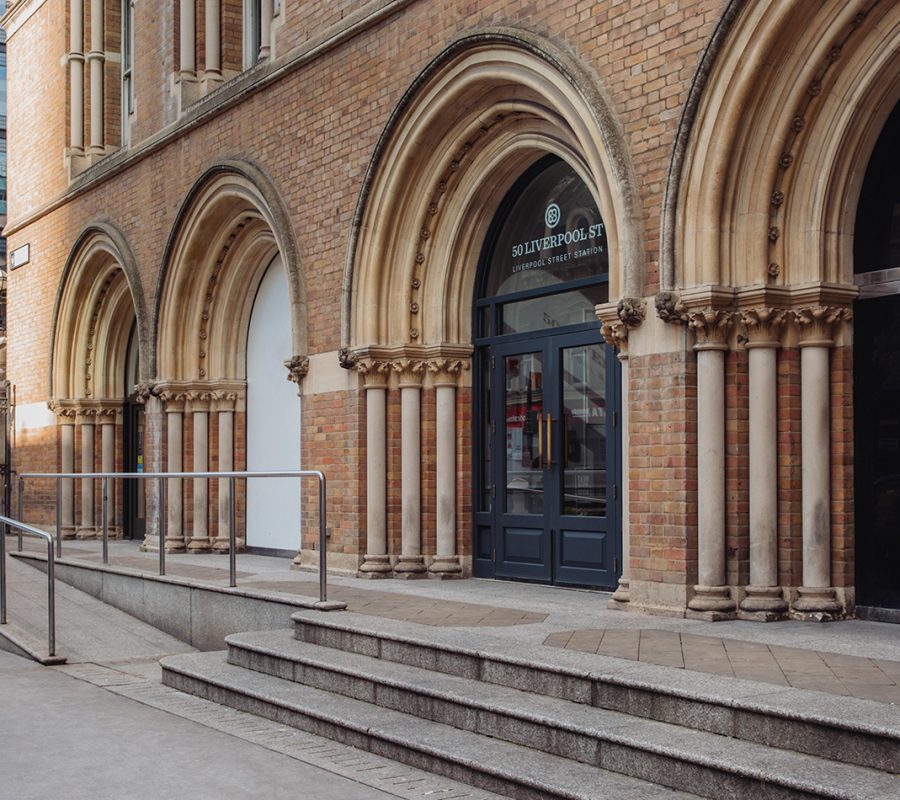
column 162, row 478
column 5, row 524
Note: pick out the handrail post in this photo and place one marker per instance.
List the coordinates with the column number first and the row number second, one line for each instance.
column 104, row 516
column 163, row 521
column 21, row 501
column 51, row 598
column 232, row 536
column 59, row 517
column 4, row 529
column 323, row 543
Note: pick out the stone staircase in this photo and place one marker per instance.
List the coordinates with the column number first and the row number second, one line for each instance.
column 536, row 722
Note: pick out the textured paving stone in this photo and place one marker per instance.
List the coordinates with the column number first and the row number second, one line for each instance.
column 834, row 673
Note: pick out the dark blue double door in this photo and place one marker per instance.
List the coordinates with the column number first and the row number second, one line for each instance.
column 548, row 486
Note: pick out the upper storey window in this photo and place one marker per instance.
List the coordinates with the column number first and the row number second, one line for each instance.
column 217, row 39
column 127, row 67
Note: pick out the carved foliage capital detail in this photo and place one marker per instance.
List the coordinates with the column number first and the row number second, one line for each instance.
column 763, row 324
column 374, row 372
column 298, row 368
column 446, row 370
column 409, row 370
column 817, row 322
column 710, row 325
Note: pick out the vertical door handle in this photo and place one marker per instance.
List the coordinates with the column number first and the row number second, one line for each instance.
column 540, row 433
column 549, row 441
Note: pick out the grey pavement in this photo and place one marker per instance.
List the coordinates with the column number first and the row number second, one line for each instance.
column 68, row 739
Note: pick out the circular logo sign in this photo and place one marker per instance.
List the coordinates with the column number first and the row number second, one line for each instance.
column 552, row 215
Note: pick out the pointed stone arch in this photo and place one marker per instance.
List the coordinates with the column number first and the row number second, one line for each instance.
column 483, row 111
column 789, row 106
column 100, row 297
column 230, row 227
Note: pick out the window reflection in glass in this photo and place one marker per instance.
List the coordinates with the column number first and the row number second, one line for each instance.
column 524, row 444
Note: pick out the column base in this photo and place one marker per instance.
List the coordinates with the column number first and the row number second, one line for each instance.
column 763, row 604
column 445, row 568
column 408, row 567
column 374, row 567
column 200, row 545
column 621, row 596
column 712, row 603
column 816, row 604
column 69, row 533
column 175, row 545
column 224, row 545
column 86, row 533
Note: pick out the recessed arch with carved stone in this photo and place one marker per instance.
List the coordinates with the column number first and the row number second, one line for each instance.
column 487, row 108
column 796, row 96
column 230, row 228
column 99, row 300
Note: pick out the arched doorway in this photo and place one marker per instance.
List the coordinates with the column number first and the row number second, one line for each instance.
column 547, row 392
column 876, row 259
column 273, row 419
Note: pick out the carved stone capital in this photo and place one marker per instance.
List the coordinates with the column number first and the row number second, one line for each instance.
column 710, row 326
column 347, row 358
column 297, row 367
column 670, row 307
column 64, row 410
column 446, row 371
column 410, row 371
column 632, row 311
column 142, row 392
column 763, row 325
column 374, row 372
column 817, row 324
column 174, row 399
column 615, row 333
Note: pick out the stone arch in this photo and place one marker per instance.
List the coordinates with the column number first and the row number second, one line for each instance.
column 100, row 297
column 482, row 112
column 230, row 227
column 793, row 103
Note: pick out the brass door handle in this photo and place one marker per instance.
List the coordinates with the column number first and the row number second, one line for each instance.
column 549, row 441
column 540, row 433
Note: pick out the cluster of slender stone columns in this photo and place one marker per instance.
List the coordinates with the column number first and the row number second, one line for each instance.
column 96, row 59
column 410, row 373
column 86, row 416
column 763, row 596
column 198, row 404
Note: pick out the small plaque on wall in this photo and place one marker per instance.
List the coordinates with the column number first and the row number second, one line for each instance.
column 20, row 256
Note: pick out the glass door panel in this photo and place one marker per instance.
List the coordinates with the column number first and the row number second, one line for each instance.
column 584, row 437
column 523, row 414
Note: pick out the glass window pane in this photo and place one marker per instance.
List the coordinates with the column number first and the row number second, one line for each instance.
column 551, row 233
column 555, row 311
column 584, row 431
column 523, row 405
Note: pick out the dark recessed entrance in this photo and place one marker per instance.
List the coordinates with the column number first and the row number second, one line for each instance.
column 547, row 391
column 876, row 371
column 133, row 500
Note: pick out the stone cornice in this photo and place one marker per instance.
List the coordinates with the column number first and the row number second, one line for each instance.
column 18, row 14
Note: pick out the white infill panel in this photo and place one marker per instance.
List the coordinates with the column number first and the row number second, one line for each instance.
column 273, row 419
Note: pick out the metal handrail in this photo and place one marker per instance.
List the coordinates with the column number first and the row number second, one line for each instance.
column 162, row 477
column 7, row 523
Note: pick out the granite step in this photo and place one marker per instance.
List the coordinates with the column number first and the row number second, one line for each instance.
column 844, row 729
column 487, row 763
column 706, row 764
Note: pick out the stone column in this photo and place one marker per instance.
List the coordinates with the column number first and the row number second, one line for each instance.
column 174, row 447
column 265, row 29
column 816, row 596
column 187, row 41
column 711, row 595
column 224, row 404
column 446, row 375
column 213, row 45
column 376, row 562
column 154, row 433
column 411, row 563
column 87, row 528
column 76, row 77
column 108, row 464
column 617, row 321
column 199, row 408
column 96, row 58
column 67, row 464
column 764, row 598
